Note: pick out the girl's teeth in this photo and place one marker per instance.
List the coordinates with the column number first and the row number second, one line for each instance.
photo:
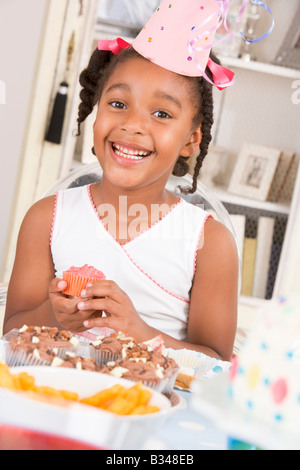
column 131, row 154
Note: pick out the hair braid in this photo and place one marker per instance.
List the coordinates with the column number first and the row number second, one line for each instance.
column 89, row 80
column 94, row 77
column 205, row 117
column 206, row 107
column 207, row 123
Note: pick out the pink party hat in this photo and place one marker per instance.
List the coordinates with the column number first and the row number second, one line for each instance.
column 180, row 35
column 168, row 37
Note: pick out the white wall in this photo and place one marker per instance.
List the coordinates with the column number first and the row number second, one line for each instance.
column 21, row 27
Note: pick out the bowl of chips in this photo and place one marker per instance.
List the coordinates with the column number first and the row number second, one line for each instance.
column 90, row 407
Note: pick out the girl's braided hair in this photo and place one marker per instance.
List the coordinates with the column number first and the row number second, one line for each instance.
column 93, row 78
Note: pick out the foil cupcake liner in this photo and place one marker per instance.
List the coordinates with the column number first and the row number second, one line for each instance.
column 164, row 386
column 61, row 352
column 170, row 382
column 161, row 386
column 103, row 357
column 22, row 358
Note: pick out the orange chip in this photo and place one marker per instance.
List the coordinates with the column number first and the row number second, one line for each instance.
column 103, row 397
column 143, row 410
column 45, row 390
column 24, row 381
column 121, row 406
column 6, row 379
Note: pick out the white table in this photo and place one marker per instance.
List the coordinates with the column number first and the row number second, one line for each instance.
column 187, row 429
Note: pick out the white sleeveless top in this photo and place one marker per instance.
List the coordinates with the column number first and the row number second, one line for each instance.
column 155, row 269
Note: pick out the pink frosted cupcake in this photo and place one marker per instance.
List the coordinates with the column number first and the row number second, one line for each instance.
column 77, row 279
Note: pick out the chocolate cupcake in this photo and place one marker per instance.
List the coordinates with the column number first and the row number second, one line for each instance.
column 110, row 348
column 71, row 361
column 137, row 370
column 36, row 345
column 141, row 364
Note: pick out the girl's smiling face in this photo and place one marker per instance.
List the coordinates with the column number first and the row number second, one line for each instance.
column 144, row 122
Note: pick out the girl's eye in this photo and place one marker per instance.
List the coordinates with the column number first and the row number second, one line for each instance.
column 162, row 115
column 117, row 104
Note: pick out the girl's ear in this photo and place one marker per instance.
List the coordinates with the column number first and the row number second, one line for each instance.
column 193, row 143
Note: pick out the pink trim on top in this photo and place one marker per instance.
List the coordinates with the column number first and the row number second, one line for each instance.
column 198, row 241
column 156, row 283
column 53, row 218
column 141, row 233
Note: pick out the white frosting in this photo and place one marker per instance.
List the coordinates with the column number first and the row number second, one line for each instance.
column 24, row 328
column 36, row 354
column 118, row 371
column 57, row 362
column 74, row 341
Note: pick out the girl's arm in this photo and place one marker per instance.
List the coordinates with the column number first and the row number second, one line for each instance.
column 27, row 298
column 34, row 294
column 214, row 297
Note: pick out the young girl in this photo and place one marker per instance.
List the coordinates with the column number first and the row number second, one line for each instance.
column 173, row 270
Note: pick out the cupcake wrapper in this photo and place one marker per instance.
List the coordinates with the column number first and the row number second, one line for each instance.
column 61, row 352
column 202, row 365
column 161, row 386
column 22, row 358
column 164, row 386
column 168, row 387
column 191, row 360
column 76, row 283
column 103, row 357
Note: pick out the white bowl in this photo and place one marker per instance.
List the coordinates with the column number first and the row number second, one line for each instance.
column 77, row 421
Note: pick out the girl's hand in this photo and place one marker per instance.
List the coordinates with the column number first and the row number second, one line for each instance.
column 65, row 310
column 120, row 313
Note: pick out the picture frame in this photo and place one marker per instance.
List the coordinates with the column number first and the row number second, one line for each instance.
column 281, row 174
column 254, row 171
column 287, row 190
column 289, row 52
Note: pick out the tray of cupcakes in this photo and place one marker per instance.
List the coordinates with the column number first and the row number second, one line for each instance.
column 122, row 392
column 54, row 388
